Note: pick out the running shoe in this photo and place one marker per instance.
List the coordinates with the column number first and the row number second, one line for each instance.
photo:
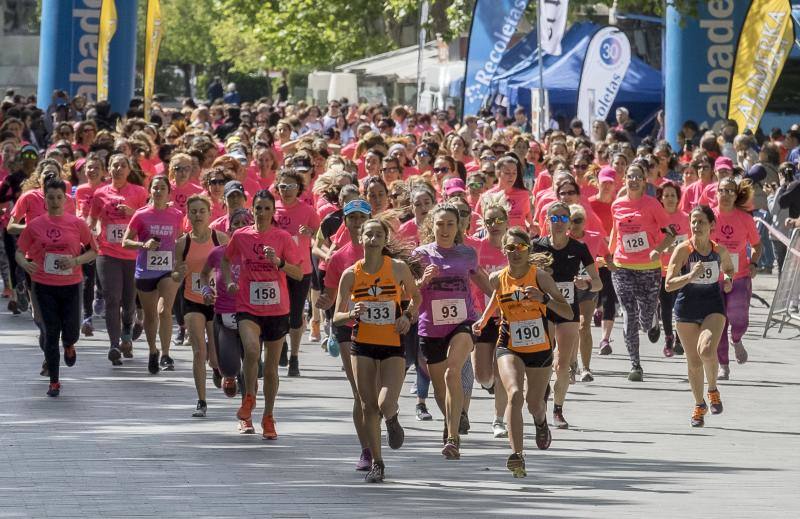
column 99, row 307
column 422, row 413
column 54, row 389
column 724, row 372
column 246, row 409
column 167, row 363
column 654, row 333
column 499, row 429
column 375, row 474
column 178, row 341
column 294, row 366
column 394, row 433
column 516, row 464
column 573, row 372
column 22, row 300
column 138, row 328
column 70, row 355
column 365, row 461
column 216, row 376
column 543, row 436
column 13, row 307
column 740, row 352
column 636, row 374
column 605, row 347
column 115, row 356
column 246, row 427
column 558, row 418
column 126, row 346
column 284, row 360
column 669, row 346
column 86, row 327
column 450, row 450
column 200, row 411
column 597, row 318
column 413, row 390
column 586, row 376
column 152, row 363
column 268, row 427
column 314, row 335
column 716, row 401
column 699, row 412
column 229, row 386
column 678, row 346
column 463, row 424
column 45, row 372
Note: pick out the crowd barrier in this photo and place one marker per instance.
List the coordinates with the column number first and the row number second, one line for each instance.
column 785, row 307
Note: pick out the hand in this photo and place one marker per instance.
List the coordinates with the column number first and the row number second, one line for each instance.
column 431, row 271
column 66, row 263
column 357, row 310
column 180, row 272
column 152, row 244
column 697, row 270
column 582, row 283
column 232, row 287
column 534, row 294
column 208, row 298
column 308, row 231
column 654, row 255
column 727, row 286
column 792, row 222
column 125, row 209
column 270, row 255
column 324, row 301
column 30, row 267
column 476, row 328
column 402, row 325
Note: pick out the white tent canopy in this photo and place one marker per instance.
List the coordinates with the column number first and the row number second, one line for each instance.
column 400, row 64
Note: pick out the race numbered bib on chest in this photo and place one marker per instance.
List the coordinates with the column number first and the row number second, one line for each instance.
column 52, row 264
column 527, row 333
column 567, row 289
column 378, row 312
column 709, row 275
column 159, row 260
column 448, row 311
column 635, row 242
column 115, row 232
column 265, row 293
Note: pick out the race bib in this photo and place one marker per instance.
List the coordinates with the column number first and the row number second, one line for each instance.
column 196, row 283
column 527, row 333
column 567, row 289
column 52, row 264
column 159, row 260
column 735, row 261
column 635, row 242
column 378, row 312
column 265, row 293
column 115, row 232
column 709, row 275
column 229, row 321
column 448, row 311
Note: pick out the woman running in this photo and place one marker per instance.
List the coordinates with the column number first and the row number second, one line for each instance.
column 53, row 243
column 637, row 243
column 525, row 295
column 374, row 286
column 262, row 303
column 152, row 232
column 736, row 230
column 447, row 313
column 694, row 272
column 113, row 207
column 510, row 183
column 670, row 195
column 191, row 251
column 569, row 258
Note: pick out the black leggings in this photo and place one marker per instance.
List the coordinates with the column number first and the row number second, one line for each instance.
column 608, row 298
column 60, row 313
column 90, row 280
column 16, row 273
column 667, row 300
column 230, row 350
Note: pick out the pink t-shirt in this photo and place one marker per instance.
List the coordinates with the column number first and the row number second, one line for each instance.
column 46, row 238
column 262, row 286
column 519, row 202
column 290, row 219
column 112, row 221
column 341, row 260
column 543, row 182
column 679, row 220
column 180, row 194
column 224, row 303
column 691, row 195
column 83, row 198
column 735, row 230
column 32, row 204
column 709, row 196
column 596, row 242
column 164, row 224
column 409, row 232
column 637, row 225
column 490, row 259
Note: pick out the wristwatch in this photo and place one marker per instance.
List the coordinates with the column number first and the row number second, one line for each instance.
column 282, row 263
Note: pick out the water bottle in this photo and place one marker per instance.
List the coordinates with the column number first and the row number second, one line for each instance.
column 333, row 346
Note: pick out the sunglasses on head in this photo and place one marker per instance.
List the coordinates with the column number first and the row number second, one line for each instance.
column 516, row 247
column 497, row 220
column 559, row 218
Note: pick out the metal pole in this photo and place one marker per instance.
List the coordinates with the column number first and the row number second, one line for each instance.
column 541, row 67
column 423, row 19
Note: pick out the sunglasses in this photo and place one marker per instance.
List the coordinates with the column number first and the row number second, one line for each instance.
column 635, row 177
column 516, row 247
column 475, row 185
column 181, row 168
column 489, row 158
column 423, row 154
column 286, row 187
column 498, row 220
column 580, row 166
column 389, row 170
column 217, row 182
column 559, row 218
column 441, row 170
column 571, row 192
column 577, row 221
column 29, row 155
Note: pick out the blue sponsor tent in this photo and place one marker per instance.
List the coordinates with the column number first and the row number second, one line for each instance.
column 641, row 91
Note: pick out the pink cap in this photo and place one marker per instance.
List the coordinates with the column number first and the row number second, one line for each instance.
column 454, row 185
column 607, row 174
column 723, row 163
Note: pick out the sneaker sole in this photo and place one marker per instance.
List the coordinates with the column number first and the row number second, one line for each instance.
column 451, row 453
column 503, row 434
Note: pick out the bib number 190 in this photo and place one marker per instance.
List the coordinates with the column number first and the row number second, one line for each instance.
column 527, row 333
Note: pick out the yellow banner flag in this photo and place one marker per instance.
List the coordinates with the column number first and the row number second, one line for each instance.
column 764, row 44
column 153, row 34
column 108, row 26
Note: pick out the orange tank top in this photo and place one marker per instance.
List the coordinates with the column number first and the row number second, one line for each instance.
column 381, row 293
column 523, row 325
column 195, row 255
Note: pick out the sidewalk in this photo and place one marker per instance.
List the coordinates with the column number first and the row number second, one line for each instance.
column 122, row 443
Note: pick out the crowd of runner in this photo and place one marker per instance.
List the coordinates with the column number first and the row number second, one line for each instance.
column 470, row 252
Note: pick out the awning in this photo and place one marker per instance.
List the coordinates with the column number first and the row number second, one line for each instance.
column 400, row 64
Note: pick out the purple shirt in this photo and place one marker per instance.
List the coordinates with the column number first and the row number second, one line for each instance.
column 446, row 300
column 225, row 303
column 149, row 222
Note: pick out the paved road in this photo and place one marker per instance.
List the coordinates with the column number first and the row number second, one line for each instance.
column 121, row 443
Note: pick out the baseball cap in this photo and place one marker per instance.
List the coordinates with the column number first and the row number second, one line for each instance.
column 357, row 206
column 454, row 185
column 233, row 186
column 29, row 148
column 607, row 174
column 723, row 163
column 239, row 156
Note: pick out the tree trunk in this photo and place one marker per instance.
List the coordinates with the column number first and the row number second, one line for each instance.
column 187, row 73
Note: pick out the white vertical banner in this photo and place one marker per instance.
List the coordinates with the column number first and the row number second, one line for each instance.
column 540, row 111
column 604, row 67
column 552, row 24
column 423, row 35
